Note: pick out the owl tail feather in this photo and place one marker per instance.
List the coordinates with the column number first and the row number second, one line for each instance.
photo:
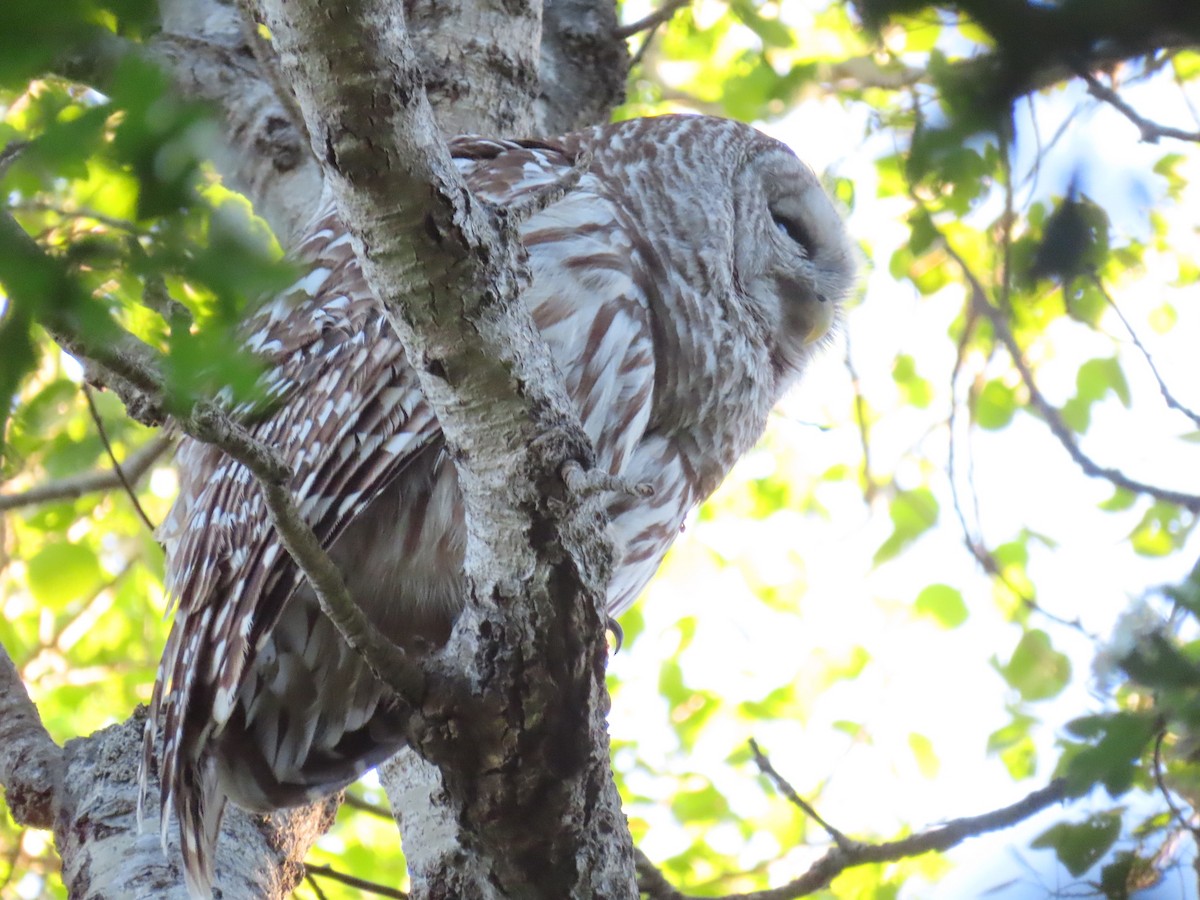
column 199, row 807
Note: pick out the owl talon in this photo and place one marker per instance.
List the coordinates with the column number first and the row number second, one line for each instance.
column 618, row 633
column 547, row 195
column 589, row 482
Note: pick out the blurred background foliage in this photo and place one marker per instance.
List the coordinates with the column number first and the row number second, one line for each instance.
column 960, row 564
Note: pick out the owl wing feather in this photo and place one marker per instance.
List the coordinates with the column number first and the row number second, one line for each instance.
column 347, row 416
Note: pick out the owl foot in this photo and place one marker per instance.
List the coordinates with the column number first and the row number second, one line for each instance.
column 618, row 633
column 588, row 482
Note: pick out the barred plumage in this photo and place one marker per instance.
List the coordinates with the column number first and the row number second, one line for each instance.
column 681, row 288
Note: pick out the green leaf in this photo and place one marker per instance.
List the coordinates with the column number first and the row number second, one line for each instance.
column 995, row 405
column 1120, row 500
column 1157, row 662
column 1014, row 744
column 33, row 35
column 783, row 702
column 922, row 232
column 942, row 603
column 1036, row 669
column 1080, row 846
column 912, row 513
column 1127, row 873
column 1162, row 530
column 1112, row 760
column 923, row 752
column 64, row 148
column 705, row 804
column 158, row 136
column 1097, row 377
column 771, row 32
column 17, row 359
column 62, row 572
column 917, row 390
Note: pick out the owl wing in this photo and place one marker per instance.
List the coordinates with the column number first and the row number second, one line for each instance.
column 346, row 414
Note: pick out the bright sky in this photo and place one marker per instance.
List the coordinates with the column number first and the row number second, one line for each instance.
column 923, row 679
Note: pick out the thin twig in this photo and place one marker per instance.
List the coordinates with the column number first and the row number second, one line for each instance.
column 316, row 888
column 545, row 196
column 112, row 457
column 1162, row 385
column 785, row 788
column 971, row 539
column 838, row 859
column 362, row 884
column 860, row 419
column 656, row 18
column 1052, row 417
column 651, row 881
column 1162, row 787
column 1152, row 132
column 970, row 319
column 133, row 369
column 356, row 802
column 1186, row 97
column 1054, row 420
column 10, row 152
column 137, row 464
column 972, row 536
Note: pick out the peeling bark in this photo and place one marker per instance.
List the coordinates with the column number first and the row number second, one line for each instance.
column 105, row 855
column 584, row 64
column 514, row 709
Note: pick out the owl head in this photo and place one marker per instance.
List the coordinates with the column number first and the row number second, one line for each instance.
column 742, row 221
column 793, row 261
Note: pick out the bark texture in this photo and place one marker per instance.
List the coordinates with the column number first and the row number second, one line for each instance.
column 514, row 706
column 512, row 793
column 514, row 74
column 105, row 855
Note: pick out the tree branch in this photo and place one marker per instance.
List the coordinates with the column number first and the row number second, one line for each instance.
column 131, row 368
column 663, row 14
column 1167, row 395
column 850, row 853
column 366, row 887
column 137, row 464
column 104, row 854
column 1051, row 416
column 651, row 881
column 582, row 68
column 1152, row 132
column 785, row 788
column 1039, row 44
column 938, row 839
column 447, row 272
column 31, row 764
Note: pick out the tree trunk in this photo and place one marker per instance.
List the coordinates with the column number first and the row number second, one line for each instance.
column 499, row 803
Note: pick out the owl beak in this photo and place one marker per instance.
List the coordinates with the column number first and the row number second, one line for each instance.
column 823, row 312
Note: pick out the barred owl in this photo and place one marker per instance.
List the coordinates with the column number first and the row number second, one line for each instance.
column 682, row 286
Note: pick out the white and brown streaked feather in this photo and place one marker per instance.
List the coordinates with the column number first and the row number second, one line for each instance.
column 655, row 283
